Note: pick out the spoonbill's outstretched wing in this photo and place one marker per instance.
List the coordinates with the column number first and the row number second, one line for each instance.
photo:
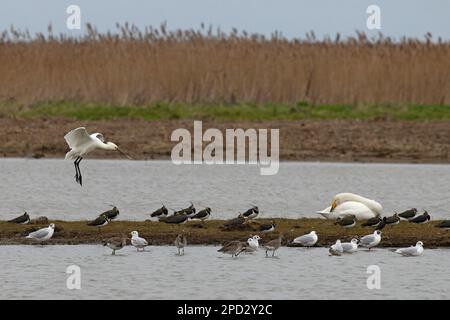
column 99, row 136
column 77, row 137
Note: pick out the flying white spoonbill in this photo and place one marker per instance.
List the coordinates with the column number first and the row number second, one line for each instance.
column 344, row 204
column 81, row 143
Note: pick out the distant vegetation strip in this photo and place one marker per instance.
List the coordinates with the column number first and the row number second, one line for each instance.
column 167, row 111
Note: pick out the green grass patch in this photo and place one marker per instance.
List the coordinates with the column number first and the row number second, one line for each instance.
column 167, row 111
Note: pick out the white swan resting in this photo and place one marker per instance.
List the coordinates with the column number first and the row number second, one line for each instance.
column 344, row 204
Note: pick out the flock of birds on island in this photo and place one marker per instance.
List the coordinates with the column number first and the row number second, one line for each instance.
column 252, row 244
column 346, row 210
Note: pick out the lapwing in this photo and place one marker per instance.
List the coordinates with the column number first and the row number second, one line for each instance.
column 189, row 211
column 23, row 219
column 408, row 214
column 160, row 212
column 175, row 219
column 381, row 224
column 347, row 221
column 111, row 214
column 115, row 243
column 395, row 219
column 99, row 222
column 266, row 228
column 423, row 218
column 444, row 224
column 138, row 242
column 251, row 213
column 371, row 222
column 202, row 214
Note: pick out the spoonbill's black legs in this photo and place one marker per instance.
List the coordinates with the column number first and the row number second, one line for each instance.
column 78, row 177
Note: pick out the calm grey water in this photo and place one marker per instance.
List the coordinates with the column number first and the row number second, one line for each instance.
column 47, row 187
column 33, row 272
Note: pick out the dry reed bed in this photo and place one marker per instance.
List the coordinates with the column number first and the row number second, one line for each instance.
column 209, row 66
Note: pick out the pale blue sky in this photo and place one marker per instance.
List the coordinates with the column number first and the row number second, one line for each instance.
column 292, row 17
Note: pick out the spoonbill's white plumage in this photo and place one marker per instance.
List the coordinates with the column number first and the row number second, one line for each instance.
column 412, row 251
column 307, row 240
column 81, row 143
column 43, row 234
column 344, row 204
column 138, row 242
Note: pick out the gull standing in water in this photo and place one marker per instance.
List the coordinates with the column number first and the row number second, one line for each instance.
column 81, row 143
column 412, row 251
column 350, row 247
column 253, row 243
column 43, row 234
column 307, row 240
column 138, row 242
column 336, row 249
column 371, row 240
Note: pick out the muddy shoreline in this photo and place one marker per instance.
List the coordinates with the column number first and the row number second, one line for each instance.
column 381, row 140
column 211, row 232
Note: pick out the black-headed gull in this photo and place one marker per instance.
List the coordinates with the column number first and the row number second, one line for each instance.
column 138, row 242
column 350, row 247
column 371, row 240
column 336, row 249
column 412, row 251
column 307, row 240
column 43, row 234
